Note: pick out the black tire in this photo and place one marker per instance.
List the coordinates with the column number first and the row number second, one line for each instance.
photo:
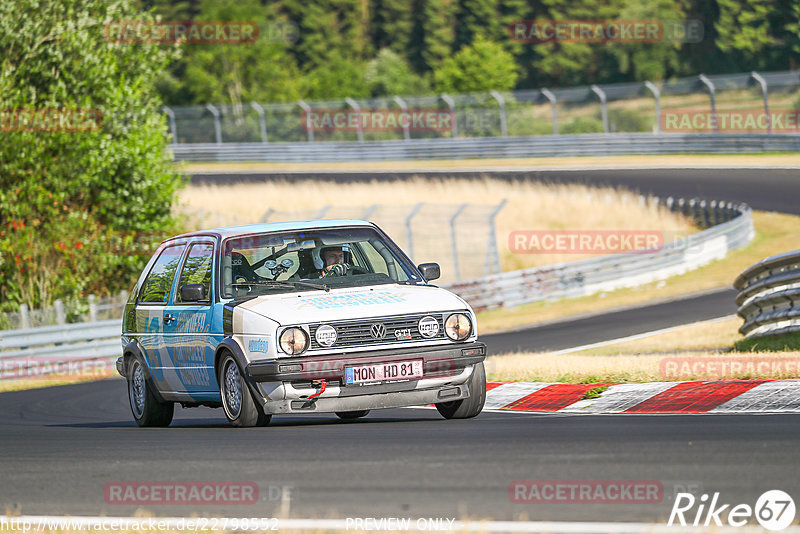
column 237, row 401
column 347, row 416
column 145, row 407
column 472, row 405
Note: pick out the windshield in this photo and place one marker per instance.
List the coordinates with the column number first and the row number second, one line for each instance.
column 309, row 260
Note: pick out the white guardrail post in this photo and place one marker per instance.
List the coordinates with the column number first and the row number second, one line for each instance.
column 769, row 296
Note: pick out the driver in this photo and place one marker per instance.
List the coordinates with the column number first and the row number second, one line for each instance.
column 335, row 261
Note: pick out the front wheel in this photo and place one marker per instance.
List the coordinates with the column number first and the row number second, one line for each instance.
column 146, row 409
column 237, row 401
column 472, row 405
column 347, row 416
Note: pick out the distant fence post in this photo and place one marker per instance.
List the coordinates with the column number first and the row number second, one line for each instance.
column 359, row 128
column 492, row 264
column 548, row 94
column 502, row 103
column 452, row 105
column 61, row 316
column 369, row 211
column 764, row 91
column 453, row 242
column 711, row 94
column 266, row 216
column 409, row 232
column 92, row 309
column 171, row 115
column 307, row 110
column 262, row 122
column 217, row 124
column 657, row 96
column 24, row 316
column 404, row 108
column 603, row 105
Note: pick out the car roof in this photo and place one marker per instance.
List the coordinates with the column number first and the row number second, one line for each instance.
column 232, row 231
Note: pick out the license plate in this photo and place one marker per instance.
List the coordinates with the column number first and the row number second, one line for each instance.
column 383, row 372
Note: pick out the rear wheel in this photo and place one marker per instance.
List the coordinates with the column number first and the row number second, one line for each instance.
column 471, row 406
column 146, row 409
column 352, row 415
column 237, row 401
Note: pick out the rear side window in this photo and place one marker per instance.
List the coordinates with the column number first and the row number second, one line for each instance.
column 158, row 283
column 197, row 268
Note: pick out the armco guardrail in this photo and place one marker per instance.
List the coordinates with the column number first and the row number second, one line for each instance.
column 731, row 228
column 32, row 352
column 488, row 147
column 769, row 296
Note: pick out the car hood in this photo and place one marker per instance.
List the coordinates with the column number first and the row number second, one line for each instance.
column 353, row 303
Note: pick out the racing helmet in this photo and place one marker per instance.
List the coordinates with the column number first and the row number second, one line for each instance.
column 318, row 254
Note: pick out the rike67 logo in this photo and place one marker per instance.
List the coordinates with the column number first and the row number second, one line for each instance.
column 774, row 510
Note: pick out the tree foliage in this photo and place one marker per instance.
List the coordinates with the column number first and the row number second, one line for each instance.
column 70, row 198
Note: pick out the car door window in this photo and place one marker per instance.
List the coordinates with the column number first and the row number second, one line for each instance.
column 158, row 284
column 197, row 268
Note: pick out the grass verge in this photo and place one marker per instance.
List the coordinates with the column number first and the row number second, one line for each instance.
column 700, row 351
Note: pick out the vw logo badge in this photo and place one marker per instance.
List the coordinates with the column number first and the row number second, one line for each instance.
column 377, row 331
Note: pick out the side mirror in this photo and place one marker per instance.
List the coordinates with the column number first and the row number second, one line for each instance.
column 193, row 292
column 430, row 271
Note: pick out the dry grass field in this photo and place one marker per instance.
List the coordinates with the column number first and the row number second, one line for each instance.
column 530, row 206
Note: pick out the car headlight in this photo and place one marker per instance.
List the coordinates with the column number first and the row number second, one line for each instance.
column 458, row 327
column 293, row 341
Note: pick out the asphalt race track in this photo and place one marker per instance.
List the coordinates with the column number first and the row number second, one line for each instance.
column 62, row 445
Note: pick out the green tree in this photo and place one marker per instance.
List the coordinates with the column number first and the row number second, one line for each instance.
column 235, row 73
column 482, row 66
column 390, row 74
column 72, row 192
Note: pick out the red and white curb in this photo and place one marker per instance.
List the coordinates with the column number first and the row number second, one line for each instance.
column 720, row 396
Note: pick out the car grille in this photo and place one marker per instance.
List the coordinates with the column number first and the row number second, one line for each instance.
column 358, row 333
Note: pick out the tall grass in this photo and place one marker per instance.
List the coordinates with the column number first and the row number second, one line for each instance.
column 531, row 206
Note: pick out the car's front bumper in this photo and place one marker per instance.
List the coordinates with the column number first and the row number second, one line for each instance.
column 287, row 384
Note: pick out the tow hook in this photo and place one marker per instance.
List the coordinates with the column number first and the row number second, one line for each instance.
column 321, row 384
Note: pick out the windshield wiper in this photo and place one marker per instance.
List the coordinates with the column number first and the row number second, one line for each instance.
column 290, row 284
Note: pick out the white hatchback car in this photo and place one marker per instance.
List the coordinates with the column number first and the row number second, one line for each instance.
column 296, row 317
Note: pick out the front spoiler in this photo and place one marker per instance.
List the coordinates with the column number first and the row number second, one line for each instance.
column 437, row 362
column 375, row 401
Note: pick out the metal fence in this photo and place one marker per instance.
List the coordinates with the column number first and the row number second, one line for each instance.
column 613, row 108
column 490, row 147
column 769, row 296
column 91, row 309
column 462, row 238
column 731, row 227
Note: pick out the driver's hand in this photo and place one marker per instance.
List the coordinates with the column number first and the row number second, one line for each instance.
column 340, row 269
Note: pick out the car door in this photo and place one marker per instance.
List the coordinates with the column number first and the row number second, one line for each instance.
column 187, row 332
column 151, row 312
